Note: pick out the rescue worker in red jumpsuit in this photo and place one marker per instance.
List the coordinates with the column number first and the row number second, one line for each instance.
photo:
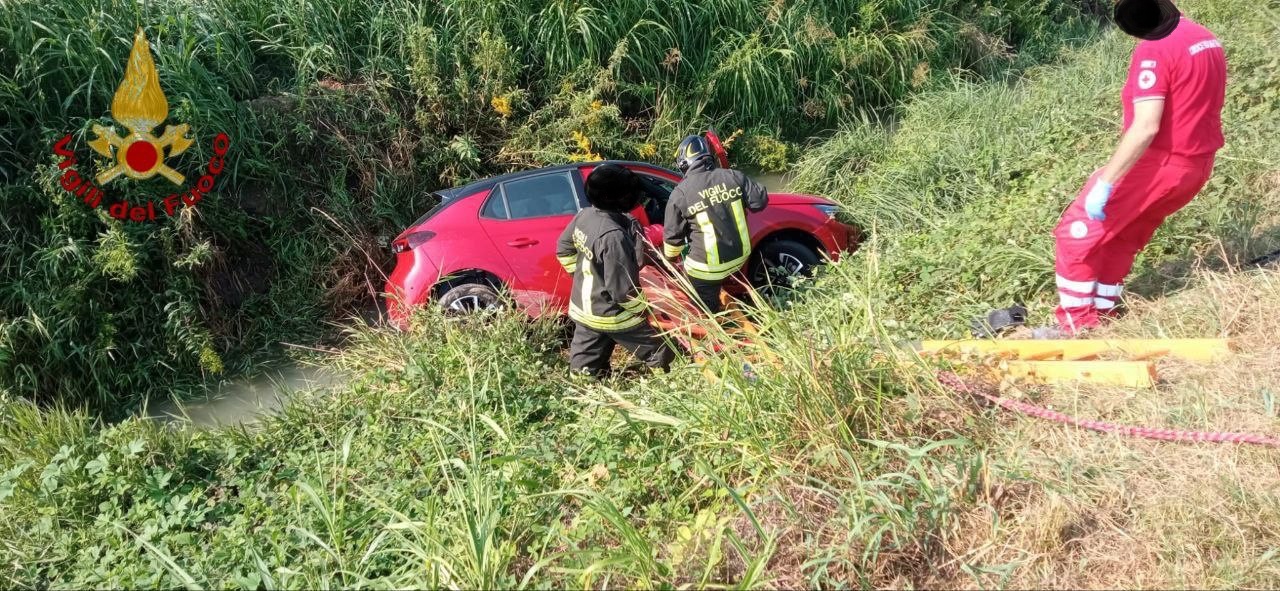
column 1172, row 128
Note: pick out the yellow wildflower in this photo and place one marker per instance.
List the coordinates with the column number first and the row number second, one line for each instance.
column 210, row 361
column 648, row 150
column 502, row 105
column 584, row 153
column 728, row 142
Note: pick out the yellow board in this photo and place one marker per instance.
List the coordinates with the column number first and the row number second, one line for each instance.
column 1199, row 350
column 1129, row 374
column 734, row 312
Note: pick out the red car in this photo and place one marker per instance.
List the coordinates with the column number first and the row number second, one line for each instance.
column 500, row 234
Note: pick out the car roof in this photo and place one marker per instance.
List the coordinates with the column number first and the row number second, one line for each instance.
column 489, row 183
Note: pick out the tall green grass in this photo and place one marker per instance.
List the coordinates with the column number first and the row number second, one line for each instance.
column 459, row 455
column 345, row 115
column 967, row 189
column 739, row 59
column 453, row 460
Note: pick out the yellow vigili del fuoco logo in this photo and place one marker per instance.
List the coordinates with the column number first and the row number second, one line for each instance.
column 141, row 108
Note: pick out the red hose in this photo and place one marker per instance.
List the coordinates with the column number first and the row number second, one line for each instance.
column 955, row 383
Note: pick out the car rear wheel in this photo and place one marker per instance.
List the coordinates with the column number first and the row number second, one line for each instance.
column 469, row 298
column 781, row 263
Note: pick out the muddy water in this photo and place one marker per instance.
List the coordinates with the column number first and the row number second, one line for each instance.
column 245, row 400
column 774, row 182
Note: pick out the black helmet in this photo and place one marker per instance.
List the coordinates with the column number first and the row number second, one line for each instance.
column 1147, row 19
column 693, row 152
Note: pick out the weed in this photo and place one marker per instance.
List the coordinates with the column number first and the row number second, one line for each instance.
column 456, row 456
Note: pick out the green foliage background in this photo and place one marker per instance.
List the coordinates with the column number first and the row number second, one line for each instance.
column 344, row 115
column 451, row 459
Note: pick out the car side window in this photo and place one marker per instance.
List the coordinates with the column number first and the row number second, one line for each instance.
column 496, row 207
column 657, row 191
column 540, row 196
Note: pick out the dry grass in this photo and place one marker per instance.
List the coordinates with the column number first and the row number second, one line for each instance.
column 798, row 519
column 1093, row 511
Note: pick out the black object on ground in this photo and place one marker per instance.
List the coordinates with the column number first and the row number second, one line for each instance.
column 999, row 322
column 1266, row 260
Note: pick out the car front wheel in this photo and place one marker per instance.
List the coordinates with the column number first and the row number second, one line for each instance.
column 781, row 263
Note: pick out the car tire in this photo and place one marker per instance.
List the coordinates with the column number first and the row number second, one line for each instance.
column 469, row 298
column 780, row 262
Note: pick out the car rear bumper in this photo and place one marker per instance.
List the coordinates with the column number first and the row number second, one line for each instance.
column 409, row 285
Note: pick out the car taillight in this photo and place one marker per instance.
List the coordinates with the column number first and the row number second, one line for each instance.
column 411, row 241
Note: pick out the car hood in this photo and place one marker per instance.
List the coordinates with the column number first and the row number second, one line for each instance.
column 797, row 199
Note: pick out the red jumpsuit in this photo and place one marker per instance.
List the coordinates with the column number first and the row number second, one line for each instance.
column 1188, row 71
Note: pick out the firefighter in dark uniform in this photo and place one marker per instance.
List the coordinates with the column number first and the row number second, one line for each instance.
column 707, row 213
column 601, row 249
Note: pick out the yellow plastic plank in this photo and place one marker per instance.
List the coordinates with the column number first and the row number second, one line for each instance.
column 1129, row 374
column 1200, row 350
column 1148, row 355
column 735, row 314
column 1044, row 355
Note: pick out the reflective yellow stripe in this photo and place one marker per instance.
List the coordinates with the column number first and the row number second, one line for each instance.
column 569, row 262
column 617, row 323
column 708, row 238
column 714, row 272
column 672, row 251
column 587, row 279
column 715, row 269
column 707, row 276
column 635, row 304
column 740, row 217
column 728, row 266
column 623, row 321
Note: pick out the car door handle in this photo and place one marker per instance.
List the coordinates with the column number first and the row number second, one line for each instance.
column 522, row 242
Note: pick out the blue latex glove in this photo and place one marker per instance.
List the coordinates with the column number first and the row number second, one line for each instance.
column 1097, row 199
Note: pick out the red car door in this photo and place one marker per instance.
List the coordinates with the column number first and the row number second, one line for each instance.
column 524, row 218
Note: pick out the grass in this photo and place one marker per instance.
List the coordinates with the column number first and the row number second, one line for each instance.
column 448, row 464
column 460, row 455
column 345, row 115
column 444, row 464
column 1103, row 511
column 978, row 174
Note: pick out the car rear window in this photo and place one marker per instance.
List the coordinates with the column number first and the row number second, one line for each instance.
column 441, row 202
column 496, row 206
